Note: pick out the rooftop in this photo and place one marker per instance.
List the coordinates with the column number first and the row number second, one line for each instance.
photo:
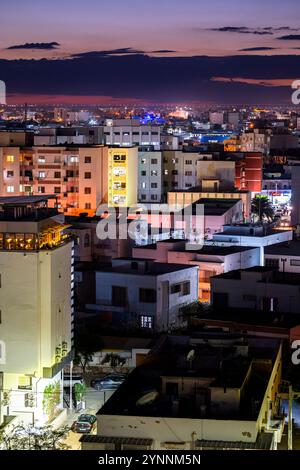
column 222, row 360
column 212, row 206
column 147, row 267
column 290, row 248
column 274, row 277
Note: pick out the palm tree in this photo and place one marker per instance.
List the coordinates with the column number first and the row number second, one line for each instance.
column 262, row 208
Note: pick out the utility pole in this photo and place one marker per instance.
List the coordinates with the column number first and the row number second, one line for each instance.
column 283, row 260
column 290, row 421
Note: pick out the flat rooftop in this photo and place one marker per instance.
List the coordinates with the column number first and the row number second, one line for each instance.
column 152, row 269
column 216, row 358
column 275, row 277
column 213, row 206
column 24, row 200
column 290, row 248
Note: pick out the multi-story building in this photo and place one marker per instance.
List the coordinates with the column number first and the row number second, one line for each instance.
column 256, row 140
column 180, row 169
column 180, row 198
column 82, row 176
column 127, row 132
column 36, row 306
column 284, row 257
column 208, row 391
column 257, row 288
column 249, row 171
column 92, row 135
column 150, row 177
column 144, row 294
column 122, row 176
column 251, row 235
column 212, row 260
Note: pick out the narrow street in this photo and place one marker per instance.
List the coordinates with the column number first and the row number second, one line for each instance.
column 94, row 401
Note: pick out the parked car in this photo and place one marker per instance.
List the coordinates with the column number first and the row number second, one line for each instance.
column 84, row 424
column 109, row 382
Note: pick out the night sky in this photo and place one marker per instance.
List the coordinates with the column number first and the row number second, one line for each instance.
column 163, row 50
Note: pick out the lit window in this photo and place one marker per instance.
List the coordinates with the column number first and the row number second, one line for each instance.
column 42, row 174
column 146, row 321
column 41, row 159
column 10, row 189
column 10, row 158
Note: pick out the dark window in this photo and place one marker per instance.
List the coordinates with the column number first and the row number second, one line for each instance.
column 119, row 296
column 272, row 263
column 87, row 175
column 86, row 240
column 153, row 185
column 143, row 173
column 57, row 189
column 148, row 296
column 174, row 172
column 87, row 159
column 88, row 205
column 153, row 161
column 175, row 288
column 10, row 174
column 87, row 190
column 57, row 174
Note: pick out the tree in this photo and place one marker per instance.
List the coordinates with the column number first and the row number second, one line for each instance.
column 51, row 399
column 79, row 391
column 29, row 437
column 262, row 208
column 85, row 346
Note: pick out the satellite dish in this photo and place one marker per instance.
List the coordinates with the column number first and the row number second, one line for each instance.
column 191, row 355
column 148, row 398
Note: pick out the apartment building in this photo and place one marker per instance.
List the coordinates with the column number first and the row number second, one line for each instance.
column 92, row 135
column 284, row 257
column 181, row 198
column 36, row 306
column 212, row 260
column 145, row 294
column 150, row 176
column 257, row 288
column 257, row 140
column 203, row 392
column 128, row 132
column 180, row 169
column 251, row 235
column 122, row 176
column 82, row 176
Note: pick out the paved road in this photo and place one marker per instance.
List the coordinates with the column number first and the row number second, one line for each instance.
column 94, row 401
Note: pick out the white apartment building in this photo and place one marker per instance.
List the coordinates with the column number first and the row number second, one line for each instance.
column 257, row 288
column 150, row 177
column 36, row 307
column 250, row 235
column 148, row 294
column 212, row 260
column 284, row 256
column 129, row 132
